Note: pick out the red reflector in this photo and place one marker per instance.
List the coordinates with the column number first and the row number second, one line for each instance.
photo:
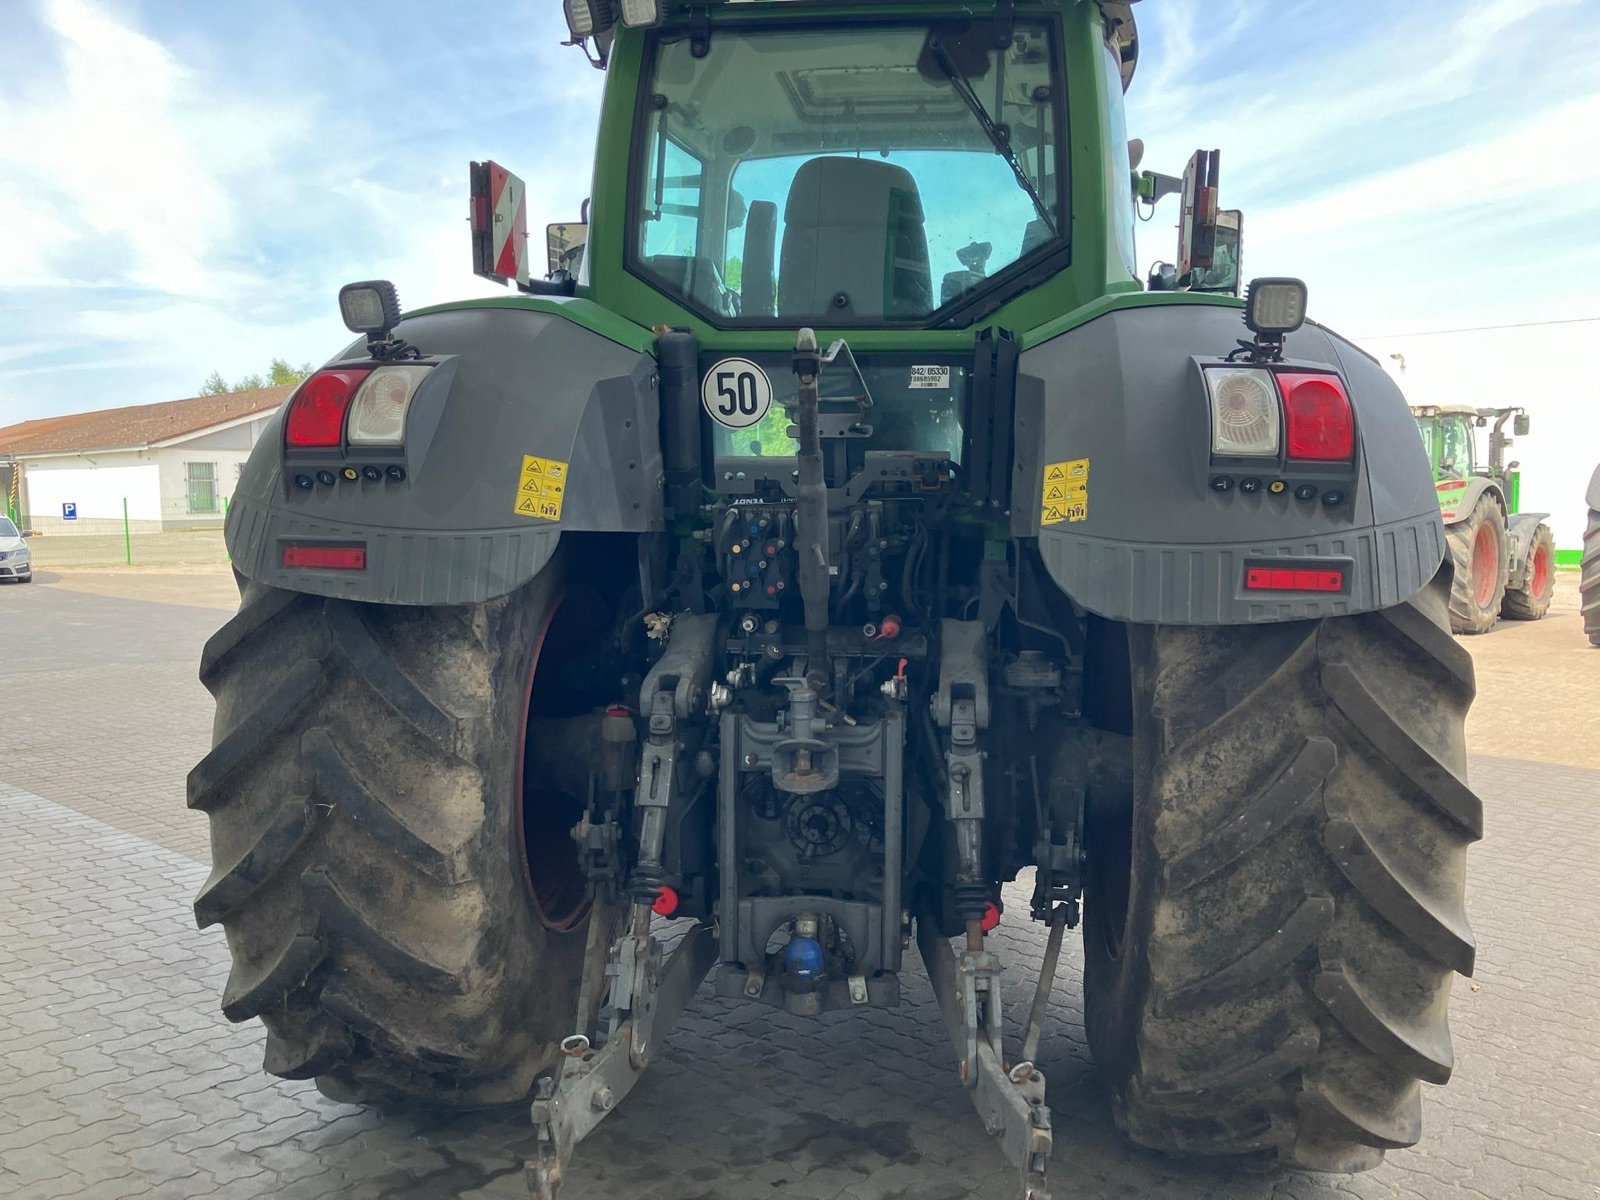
column 316, row 414
column 327, row 558
column 1316, row 411
column 1293, row 579
column 1454, row 485
column 991, row 917
column 666, row 903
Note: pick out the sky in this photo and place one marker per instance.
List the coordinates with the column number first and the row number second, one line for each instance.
column 184, row 184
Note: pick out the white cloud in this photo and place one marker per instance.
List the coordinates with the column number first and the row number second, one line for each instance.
column 132, row 146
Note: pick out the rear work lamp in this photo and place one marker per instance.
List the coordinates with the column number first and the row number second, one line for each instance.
column 1274, row 307
column 585, row 18
column 371, row 307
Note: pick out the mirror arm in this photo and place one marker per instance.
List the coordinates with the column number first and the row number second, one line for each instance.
column 1151, row 186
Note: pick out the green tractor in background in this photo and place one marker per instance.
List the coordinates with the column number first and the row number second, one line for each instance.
column 838, row 531
column 1505, row 559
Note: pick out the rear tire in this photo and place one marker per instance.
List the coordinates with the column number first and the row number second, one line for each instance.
column 1270, row 932
column 1531, row 601
column 1478, row 550
column 367, row 829
column 1589, row 578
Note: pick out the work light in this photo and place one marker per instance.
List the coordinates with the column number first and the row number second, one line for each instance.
column 371, row 307
column 1274, row 307
column 585, row 18
column 641, row 14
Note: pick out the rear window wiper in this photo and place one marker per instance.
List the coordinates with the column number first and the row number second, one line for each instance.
column 998, row 137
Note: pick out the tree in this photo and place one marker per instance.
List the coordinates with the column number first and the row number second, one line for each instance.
column 279, row 374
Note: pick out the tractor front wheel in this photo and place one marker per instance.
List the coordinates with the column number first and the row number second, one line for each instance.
column 404, row 915
column 1273, row 919
column 1478, row 548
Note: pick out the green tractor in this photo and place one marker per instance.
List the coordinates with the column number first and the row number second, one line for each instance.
column 839, row 531
column 1505, row 560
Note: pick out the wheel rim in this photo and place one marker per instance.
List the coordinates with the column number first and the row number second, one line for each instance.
column 1485, row 565
column 1542, row 575
column 551, row 868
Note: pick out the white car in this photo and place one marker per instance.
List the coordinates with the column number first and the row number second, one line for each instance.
column 16, row 560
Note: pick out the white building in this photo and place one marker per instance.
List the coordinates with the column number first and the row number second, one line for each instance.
column 1545, row 367
column 159, row 466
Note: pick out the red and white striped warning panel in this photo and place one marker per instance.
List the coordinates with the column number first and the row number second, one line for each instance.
column 499, row 224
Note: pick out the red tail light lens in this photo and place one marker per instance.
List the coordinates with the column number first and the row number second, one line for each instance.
column 1293, row 579
column 1316, row 409
column 316, row 414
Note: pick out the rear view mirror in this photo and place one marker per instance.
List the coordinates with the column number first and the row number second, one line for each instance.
column 565, row 245
column 27, row 533
column 1519, row 425
column 1224, row 273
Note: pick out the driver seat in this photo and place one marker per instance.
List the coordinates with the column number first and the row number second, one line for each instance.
column 853, row 229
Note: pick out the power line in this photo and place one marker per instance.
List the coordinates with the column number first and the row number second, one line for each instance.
column 1477, row 328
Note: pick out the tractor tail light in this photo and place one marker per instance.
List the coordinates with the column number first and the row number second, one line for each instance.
column 1320, row 424
column 1244, row 412
column 378, row 412
column 316, row 414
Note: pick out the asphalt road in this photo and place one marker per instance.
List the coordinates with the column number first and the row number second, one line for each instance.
column 119, row 1077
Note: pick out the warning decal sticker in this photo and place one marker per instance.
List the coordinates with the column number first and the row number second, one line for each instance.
column 541, row 489
column 1065, row 496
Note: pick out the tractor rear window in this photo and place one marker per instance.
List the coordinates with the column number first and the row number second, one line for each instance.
column 856, row 176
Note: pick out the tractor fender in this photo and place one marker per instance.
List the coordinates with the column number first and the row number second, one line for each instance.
column 1520, row 529
column 513, row 391
column 1121, row 399
column 1458, row 497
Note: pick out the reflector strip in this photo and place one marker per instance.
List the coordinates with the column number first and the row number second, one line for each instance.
column 1293, row 579
column 326, row 558
column 1454, row 485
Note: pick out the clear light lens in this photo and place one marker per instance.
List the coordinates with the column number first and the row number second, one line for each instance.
column 1244, row 412
column 378, row 415
column 1276, row 305
column 637, row 14
column 585, row 18
column 362, row 309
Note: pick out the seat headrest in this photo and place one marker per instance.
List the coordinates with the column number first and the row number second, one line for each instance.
column 848, row 191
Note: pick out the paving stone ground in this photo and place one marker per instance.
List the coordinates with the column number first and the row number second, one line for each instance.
column 119, row 1077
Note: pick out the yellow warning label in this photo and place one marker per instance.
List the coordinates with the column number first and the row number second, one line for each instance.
column 541, row 488
column 1066, row 492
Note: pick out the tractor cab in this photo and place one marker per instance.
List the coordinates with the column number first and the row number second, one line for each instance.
column 1448, row 437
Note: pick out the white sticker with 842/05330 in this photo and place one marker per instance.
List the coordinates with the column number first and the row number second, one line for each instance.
column 930, row 377
column 736, row 393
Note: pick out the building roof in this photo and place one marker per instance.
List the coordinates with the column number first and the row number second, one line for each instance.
column 139, row 426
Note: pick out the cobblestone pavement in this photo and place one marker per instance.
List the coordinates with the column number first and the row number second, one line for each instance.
column 120, row 1078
